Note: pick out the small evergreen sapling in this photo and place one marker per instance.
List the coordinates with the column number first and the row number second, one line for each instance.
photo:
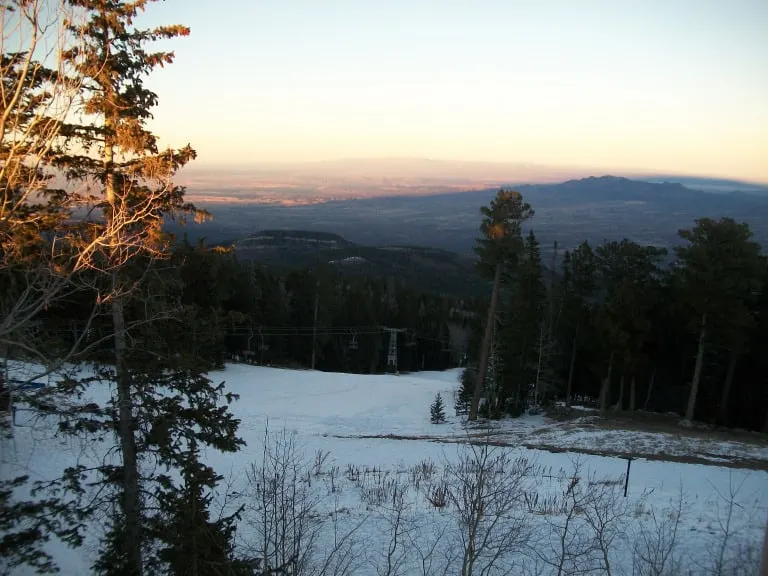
column 463, row 397
column 437, row 410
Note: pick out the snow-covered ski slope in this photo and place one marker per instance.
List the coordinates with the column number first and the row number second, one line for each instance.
column 382, row 423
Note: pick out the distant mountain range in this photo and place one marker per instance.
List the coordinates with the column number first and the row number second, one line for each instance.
column 292, row 184
column 715, row 185
column 593, row 208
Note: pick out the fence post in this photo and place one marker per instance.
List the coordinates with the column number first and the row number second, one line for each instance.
column 626, row 480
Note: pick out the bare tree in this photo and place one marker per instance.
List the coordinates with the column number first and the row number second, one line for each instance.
column 730, row 554
column 486, row 493
column 284, row 519
column 431, row 544
column 37, row 93
column 399, row 526
column 281, row 509
column 563, row 543
column 607, row 514
column 655, row 550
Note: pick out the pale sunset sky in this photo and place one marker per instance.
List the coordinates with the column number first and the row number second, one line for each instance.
column 674, row 86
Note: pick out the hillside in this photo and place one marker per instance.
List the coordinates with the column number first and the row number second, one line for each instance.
column 428, row 269
column 354, row 438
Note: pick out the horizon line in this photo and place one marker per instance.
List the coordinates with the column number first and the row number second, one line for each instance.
column 628, row 172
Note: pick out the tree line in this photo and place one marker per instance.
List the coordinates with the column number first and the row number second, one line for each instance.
column 89, row 276
column 625, row 326
column 227, row 309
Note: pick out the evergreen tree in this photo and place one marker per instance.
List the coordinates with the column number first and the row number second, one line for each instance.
column 27, row 525
column 190, row 542
column 629, row 281
column 578, row 287
column 111, row 146
column 437, row 410
column 522, row 326
column 718, row 273
column 497, row 248
column 164, row 404
column 465, row 392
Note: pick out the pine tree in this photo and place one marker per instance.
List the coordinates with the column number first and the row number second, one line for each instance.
column 163, row 402
column 522, row 317
column 190, row 542
column 437, row 410
column 465, row 391
column 26, row 526
column 178, row 409
column 629, row 279
column 497, row 249
column 718, row 273
column 111, row 146
column 578, row 288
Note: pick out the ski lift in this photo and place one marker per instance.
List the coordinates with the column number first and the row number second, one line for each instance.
column 411, row 341
column 353, row 343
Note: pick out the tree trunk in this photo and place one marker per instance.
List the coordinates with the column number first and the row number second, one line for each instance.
column 620, row 404
column 632, row 394
column 536, row 392
column 569, row 389
column 314, row 324
column 723, row 415
column 130, row 489
column 650, row 389
column 130, row 496
column 486, row 347
column 691, row 409
column 605, row 388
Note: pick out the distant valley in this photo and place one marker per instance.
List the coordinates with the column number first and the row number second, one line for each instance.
column 594, row 209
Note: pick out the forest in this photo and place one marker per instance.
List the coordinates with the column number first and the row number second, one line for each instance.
column 618, row 327
column 95, row 293
column 613, row 325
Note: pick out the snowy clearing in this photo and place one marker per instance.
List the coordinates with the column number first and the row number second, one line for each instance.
column 370, row 450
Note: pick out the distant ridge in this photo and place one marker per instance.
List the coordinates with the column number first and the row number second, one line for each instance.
column 430, row 269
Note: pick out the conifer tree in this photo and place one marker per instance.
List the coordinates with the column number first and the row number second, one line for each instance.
column 437, row 410
column 629, row 278
column 718, row 272
column 191, row 543
column 578, row 287
column 465, row 392
column 132, row 186
column 163, row 404
column 497, row 248
column 522, row 320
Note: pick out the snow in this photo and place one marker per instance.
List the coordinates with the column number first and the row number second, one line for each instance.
column 382, row 422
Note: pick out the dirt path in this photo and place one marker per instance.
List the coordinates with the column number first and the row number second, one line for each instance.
column 502, row 438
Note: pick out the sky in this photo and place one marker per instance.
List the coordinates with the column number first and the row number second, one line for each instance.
column 673, row 86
